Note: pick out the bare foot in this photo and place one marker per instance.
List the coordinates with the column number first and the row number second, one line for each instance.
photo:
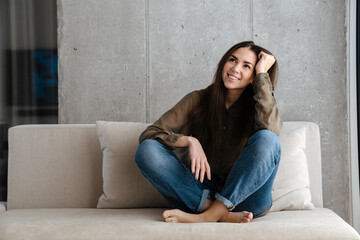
column 237, row 217
column 216, row 212
column 179, row 216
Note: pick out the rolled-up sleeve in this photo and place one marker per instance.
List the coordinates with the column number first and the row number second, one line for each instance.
column 266, row 111
column 174, row 123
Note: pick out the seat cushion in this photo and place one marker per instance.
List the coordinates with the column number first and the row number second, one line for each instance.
column 39, row 224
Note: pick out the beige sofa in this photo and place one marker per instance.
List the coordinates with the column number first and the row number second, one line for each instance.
column 56, row 179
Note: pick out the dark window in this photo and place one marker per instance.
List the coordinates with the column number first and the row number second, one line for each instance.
column 28, row 69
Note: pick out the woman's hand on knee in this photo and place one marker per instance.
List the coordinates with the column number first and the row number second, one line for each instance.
column 199, row 163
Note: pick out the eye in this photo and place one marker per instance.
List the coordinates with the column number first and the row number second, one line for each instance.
column 231, row 59
column 247, row 66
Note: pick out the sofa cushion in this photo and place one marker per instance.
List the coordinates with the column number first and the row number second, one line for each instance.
column 124, row 185
column 291, row 185
column 56, row 224
column 54, row 166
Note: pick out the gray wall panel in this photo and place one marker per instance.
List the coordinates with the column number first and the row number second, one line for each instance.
column 187, row 39
column 308, row 39
column 102, row 61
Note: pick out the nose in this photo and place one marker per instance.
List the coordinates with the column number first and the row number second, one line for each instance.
column 236, row 69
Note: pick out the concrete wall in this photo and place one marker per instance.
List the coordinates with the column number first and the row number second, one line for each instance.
column 133, row 60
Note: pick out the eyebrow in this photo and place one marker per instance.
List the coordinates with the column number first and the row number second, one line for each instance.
column 248, row 63
column 244, row 61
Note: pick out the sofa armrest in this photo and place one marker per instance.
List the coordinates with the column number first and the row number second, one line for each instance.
column 2, row 207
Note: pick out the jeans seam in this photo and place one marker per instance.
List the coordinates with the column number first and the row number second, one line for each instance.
column 229, row 205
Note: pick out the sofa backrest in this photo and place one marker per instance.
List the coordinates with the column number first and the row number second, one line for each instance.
column 54, row 166
column 60, row 166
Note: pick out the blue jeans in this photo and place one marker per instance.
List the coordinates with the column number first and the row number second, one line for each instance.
column 247, row 187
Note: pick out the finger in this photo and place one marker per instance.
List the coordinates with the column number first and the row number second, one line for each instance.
column 202, row 172
column 261, row 54
column 197, row 169
column 208, row 172
column 193, row 166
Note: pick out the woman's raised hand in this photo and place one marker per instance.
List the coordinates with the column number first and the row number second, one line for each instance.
column 199, row 163
column 265, row 62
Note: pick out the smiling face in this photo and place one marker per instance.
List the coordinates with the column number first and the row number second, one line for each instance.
column 239, row 69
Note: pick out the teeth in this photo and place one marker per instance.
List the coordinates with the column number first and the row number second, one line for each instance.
column 234, row 78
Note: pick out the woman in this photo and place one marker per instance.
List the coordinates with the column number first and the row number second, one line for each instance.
column 226, row 138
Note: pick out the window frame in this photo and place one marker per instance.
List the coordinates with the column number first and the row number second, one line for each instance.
column 353, row 40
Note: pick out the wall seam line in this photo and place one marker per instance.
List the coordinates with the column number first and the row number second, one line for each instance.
column 147, row 46
column 252, row 19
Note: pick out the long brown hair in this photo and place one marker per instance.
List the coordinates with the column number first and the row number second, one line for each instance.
column 209, row 117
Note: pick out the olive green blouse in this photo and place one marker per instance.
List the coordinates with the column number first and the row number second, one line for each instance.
column 175, row 123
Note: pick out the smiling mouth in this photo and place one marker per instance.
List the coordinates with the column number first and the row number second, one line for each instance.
column 232, row 77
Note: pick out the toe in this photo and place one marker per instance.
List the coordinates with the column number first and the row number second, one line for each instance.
column 170, row 220
column 249, row 217
column 165, row 214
